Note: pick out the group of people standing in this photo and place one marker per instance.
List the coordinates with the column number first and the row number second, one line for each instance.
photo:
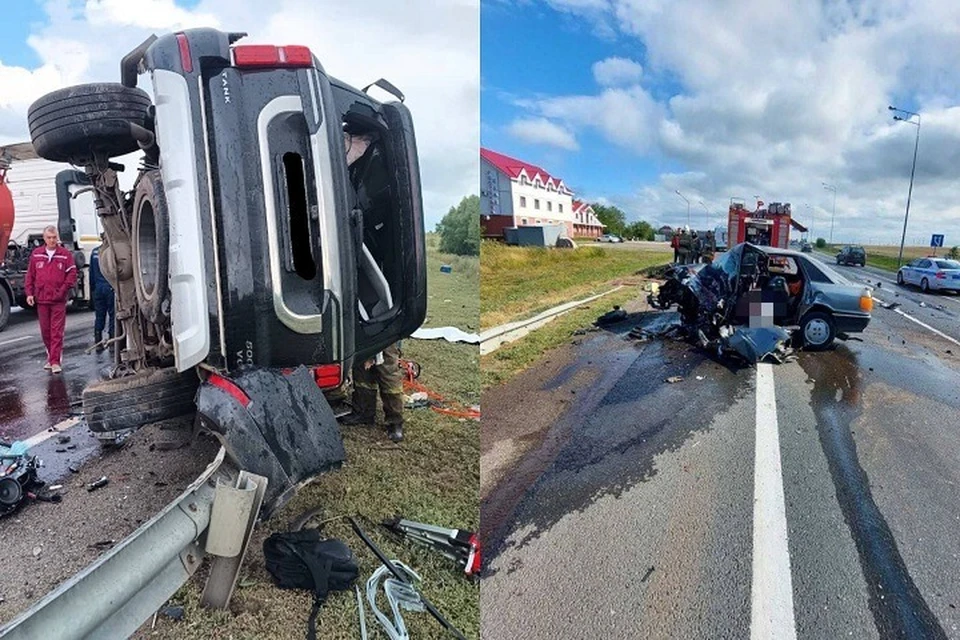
column 689, row 247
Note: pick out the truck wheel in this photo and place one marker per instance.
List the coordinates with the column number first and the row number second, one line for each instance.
column 133, row 401
column 70, row 124
column 5, row 303
column 151, row 240
column 817, row 330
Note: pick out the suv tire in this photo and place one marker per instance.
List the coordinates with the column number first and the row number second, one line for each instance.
column 151, row 241
column 133, row 401
column 5, row 303
column 70, row 124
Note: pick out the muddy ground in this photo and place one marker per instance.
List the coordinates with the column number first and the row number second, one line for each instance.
column 46, row 543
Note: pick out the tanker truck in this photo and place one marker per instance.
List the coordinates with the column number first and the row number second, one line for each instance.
column 35, row 193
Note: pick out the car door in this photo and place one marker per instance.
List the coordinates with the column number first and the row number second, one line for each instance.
column 921, row 271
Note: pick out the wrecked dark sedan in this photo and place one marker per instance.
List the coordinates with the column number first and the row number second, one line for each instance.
column 763, row 295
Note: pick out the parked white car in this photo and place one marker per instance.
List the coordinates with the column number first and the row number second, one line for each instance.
column 609, row 237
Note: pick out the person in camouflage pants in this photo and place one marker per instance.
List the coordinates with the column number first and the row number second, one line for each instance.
column 387, row 378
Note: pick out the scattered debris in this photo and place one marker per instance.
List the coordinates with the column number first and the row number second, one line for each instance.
column 63, row 439
column 700, row 377
column 923, row 304
column 580, row 332
column 612, row 317
column 675, row 379
column 18, row 474
column 61, row 450
column 458, row 545
column 647, row 574
column 446, row 268
column 402, row 577
column 55, row 487
column 891, row 305
column 174, row 612
column 879, row 285
column 37, row 550
column 98, row 484
column 71, row 447
column 74, row 468
column 103, row 544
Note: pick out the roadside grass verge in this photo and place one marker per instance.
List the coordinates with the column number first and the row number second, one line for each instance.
column 509, row 360
column 885, row 257
column 519, row 282
column 432, row 477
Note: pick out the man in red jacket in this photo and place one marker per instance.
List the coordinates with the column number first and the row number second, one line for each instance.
column 50, row 277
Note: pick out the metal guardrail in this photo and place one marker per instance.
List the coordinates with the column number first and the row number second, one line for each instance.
column 115, row 595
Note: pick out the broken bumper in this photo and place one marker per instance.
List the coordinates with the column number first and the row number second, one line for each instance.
column 851, row 322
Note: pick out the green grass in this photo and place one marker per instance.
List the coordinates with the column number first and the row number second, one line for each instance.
column 433, row 477
column 449, row 304
column 510, row 360
column 518, row 282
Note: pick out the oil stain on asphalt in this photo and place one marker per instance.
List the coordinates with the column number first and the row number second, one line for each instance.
column 898, row 608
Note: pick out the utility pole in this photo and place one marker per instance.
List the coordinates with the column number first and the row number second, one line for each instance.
column 913, row 170
column 830, row 187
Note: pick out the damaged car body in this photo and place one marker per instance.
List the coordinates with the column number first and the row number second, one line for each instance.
column 751, row 301
column 273, row 236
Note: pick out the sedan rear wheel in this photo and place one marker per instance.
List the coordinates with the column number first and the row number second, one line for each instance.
column 925, row 286
column 817, row 329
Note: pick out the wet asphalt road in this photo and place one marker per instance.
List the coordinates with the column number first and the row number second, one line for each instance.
column 617, row 505
column 33, row 400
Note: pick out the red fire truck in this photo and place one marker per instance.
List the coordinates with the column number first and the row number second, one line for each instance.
column 768, row 226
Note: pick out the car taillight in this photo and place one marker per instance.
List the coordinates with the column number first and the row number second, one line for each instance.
column 268, row 55
column 940, row 275
column 186, row 60
column 866, row 300
column 328, row 376
column 232, row 389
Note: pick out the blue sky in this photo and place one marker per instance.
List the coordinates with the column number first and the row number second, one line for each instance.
column 18, row 17
column 724, row 98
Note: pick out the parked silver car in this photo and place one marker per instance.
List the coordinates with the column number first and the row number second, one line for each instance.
column 936, row 274
column 609, row 237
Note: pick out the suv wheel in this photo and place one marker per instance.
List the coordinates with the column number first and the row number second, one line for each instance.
column 151, row 238
column 143, row 398
column 74, row 123
column 817, row 330
column 5, row 303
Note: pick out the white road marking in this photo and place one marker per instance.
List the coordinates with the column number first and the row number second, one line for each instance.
column 771, row 594
column 921, row 323
column 46, row 434
column 12, row 340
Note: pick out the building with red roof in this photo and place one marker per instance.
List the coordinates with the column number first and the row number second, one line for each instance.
column 514, row 193
column 585, row 221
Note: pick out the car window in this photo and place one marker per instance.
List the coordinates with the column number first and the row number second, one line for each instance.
column 924, row 264
column 948, row 264
column 819, row 272
column 785, row 265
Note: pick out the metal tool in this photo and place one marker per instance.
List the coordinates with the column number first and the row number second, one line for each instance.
column 403, row 578
column 460, row 546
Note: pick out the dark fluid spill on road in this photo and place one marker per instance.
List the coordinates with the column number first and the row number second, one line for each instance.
column 898, row 608
column 608, row 443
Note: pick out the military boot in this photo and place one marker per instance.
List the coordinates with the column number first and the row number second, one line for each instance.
column 97, row 339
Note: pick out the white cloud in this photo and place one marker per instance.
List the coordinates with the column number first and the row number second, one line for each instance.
column 146, row 14
column 772, row 99
column 430, row 51
column 542, row 131
column 617, row 71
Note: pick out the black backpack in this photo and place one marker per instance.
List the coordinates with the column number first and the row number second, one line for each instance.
column 301, row 560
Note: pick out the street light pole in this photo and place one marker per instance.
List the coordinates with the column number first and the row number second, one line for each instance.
column 913, row 170
column 830, row 187
column 688, row 206
column 812, row 218
column 708, row 214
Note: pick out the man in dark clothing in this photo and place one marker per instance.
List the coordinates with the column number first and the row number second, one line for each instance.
column 675, row 243
column 103, row 301
column 50, row 277
column 381, row 373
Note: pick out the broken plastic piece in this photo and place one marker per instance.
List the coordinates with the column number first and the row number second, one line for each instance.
column 98, row 484
column 674, row 379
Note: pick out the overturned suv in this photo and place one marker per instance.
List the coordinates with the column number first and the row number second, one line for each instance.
column 751, row 300
column 273, row 236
